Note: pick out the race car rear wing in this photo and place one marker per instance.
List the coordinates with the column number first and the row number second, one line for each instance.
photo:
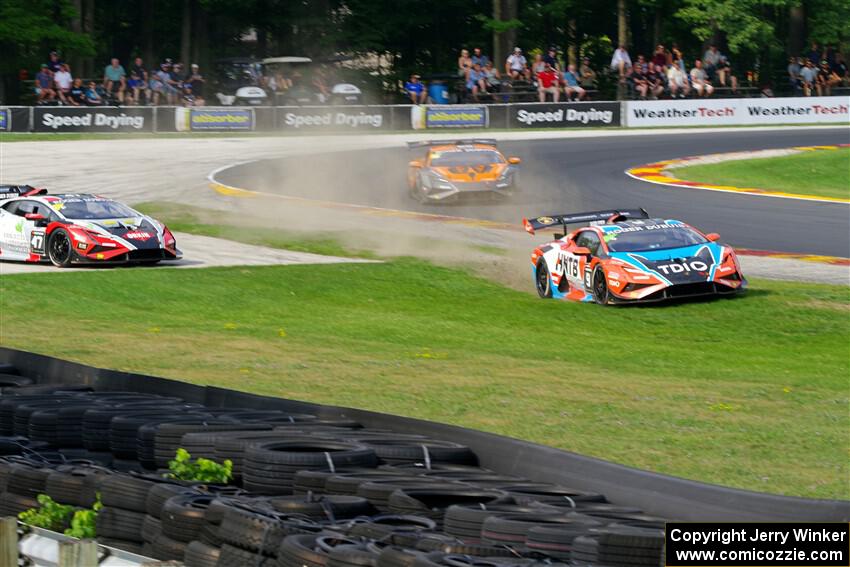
column 462, row 142
column 12, row 191
column 609, row 215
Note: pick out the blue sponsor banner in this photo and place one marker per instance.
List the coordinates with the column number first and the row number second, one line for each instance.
column 455, row 117
column 221, row 119
column 5, row 123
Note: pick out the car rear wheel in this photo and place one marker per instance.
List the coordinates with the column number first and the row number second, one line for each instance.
column 59, row 249
column 601, row 295
column 542, row 280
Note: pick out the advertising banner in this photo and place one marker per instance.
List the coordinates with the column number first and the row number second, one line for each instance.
column 720, row 112
column 5, row 120
column 213, row 119
column 333, row 118
column 455, row 116
column 564, row 115
column 107, row 119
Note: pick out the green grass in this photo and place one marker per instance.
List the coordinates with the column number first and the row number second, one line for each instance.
column 750, row 392
column 822, row 173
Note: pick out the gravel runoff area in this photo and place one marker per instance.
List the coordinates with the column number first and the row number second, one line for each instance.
column 176, row 169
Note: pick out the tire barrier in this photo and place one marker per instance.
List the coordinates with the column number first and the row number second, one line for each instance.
column 316, row 485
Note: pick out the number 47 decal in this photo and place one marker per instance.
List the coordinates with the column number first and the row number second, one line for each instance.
column 37, row 242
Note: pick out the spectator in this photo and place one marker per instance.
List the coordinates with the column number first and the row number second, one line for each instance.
column 661, row 57
column 840, row 68
column 571, row 84
column 320, row 83
column 44, row 85
column 187, row 98
column 700, row 81
column 809, row 78
column 538, row 66
column 710, row 60
column 135, row 88
column 639, row 82
column 53, row 62
column 621, row 63
column 415, row 90
column 829, row 54
column 477, row 57
column 641, row 62
column 677, row 82
column 115, row 79
column 93, row 98
column 548, row 83
column 492, row 77
column 551, row 58
column 77, row 94
column 794, row 69
column 587, row 75
column 139, row 69
column 677, row 58
column 63, row 81
column 161, row 85
column 814, row 54
column 196, row 82
column 655, row 81
column 827, row 78
column 724, row 74
column 475, row 81
column 516, row 66
column 464, row 64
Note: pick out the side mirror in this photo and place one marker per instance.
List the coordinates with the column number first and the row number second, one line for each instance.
column 514, row 160
column 35, row 217
column 581, row 251
column 415, row 163
column 712, row 237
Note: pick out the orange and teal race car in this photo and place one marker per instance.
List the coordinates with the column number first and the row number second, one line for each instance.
column 459, row 169
column 624, row 256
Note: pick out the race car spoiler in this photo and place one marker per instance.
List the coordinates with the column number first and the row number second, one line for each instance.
column 11, row 191
column 462, row 142
column 609, row 215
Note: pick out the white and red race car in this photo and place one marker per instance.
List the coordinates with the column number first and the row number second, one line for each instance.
column 70, row 229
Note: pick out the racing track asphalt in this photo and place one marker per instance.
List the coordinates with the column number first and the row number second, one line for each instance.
column 562, row 175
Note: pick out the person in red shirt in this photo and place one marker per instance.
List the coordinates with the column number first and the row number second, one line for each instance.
column 548, row 82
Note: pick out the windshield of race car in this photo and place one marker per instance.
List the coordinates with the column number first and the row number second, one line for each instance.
column 474, row 157
column 652, row 237
column 92, row 209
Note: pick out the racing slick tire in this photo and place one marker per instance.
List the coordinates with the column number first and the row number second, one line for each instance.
column 601, row 295
column 59, row 249
column 543, row 280
column 418, row 192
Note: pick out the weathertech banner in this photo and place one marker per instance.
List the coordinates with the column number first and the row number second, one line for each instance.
column 756, row 545
column 106, row 119
column 452, row 116
column 564, row 115
column 211, row 119
column 725, row 112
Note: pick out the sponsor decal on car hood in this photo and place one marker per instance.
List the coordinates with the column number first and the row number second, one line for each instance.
column 676, row 265
column 474, row 173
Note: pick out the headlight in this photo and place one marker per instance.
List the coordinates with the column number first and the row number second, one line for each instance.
column 438, row 182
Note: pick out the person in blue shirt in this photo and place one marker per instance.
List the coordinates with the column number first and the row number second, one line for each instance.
column 93, row 98
column 475, row 82
column 571, row 84
column 415, row 90
column 44, row 85
column 478, row 57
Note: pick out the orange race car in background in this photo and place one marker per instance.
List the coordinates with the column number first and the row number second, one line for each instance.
column 458, row 169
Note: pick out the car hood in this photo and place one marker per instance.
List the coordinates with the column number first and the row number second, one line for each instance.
column 690, row 264
column 141, row 232
column 471, row 173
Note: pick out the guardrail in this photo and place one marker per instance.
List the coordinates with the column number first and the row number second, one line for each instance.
column 400, row 118
column 656, row 494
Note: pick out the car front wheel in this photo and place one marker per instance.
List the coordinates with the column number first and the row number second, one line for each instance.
column 59, row 249
column 542, row 280
column 601, row 295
